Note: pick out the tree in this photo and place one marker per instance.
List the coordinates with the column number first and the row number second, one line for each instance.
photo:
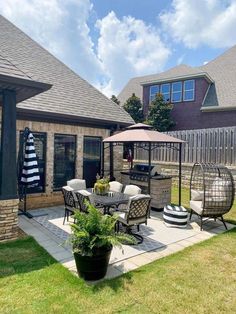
column 134, row 107
column 115, row 99
column 160, row 114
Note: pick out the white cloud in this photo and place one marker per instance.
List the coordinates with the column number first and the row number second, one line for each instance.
column 61, row 27
column 128, row 48
column 209, row 22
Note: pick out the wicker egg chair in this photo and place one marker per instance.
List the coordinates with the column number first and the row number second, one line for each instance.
column 211, row 191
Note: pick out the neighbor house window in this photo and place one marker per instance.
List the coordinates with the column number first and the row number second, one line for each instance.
column 155, row 89
column 40, row 141
column 189, row 87
column 176, row 93
column 165, row 91
column 64, row 159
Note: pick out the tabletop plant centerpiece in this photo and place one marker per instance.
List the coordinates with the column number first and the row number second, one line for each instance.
column 93, row 237
column 101, row 187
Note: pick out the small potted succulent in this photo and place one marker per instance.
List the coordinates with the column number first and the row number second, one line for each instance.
column 101, row 186
column 93, row 237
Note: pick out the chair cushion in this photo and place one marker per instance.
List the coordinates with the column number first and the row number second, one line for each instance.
column 196, row 206
column 197, row 195
column 77, row 184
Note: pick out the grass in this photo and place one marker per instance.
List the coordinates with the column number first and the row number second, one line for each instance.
column 230, row 217
column 200, row 279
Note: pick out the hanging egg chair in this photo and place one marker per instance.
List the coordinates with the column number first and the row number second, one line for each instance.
column 211, row 191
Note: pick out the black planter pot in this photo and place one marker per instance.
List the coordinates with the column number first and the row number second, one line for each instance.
column 93, row 267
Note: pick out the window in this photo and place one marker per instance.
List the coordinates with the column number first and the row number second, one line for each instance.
column 176, row 95
column 40, row 140
column 153, row 91
column 64, row 159
column 91, row 159
column 189, row 90
column 165, row 91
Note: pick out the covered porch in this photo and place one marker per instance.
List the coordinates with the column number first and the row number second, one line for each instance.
column 15, row 86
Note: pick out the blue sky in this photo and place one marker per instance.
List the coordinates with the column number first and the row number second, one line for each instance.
column 107, row 42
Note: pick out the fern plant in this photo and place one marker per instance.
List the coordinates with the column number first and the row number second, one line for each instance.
column 94, row 231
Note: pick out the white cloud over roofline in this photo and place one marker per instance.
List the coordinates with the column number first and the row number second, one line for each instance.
column 126, row 47
column 201, row 22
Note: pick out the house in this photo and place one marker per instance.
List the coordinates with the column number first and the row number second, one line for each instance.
column 202, row 97
column 67, row 116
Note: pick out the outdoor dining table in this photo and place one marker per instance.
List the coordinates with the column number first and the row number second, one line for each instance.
column 109, row 200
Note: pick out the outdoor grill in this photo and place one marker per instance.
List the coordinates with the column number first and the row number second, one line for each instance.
column 160, row 184
column 140, row 172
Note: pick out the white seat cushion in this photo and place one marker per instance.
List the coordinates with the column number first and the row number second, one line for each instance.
column 115, row 186
column 196, row 206
column 77, row 184
column 197, row 195
column 132, row 190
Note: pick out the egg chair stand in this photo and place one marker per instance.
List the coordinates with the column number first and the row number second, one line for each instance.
column 212, row 192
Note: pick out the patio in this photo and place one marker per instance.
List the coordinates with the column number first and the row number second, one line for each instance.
column 159, row 240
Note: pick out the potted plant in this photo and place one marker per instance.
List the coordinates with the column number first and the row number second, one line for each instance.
column 101, row 186
column 93, row 237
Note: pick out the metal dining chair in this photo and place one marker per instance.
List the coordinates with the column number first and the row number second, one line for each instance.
column 69, row 202
column 137, row 212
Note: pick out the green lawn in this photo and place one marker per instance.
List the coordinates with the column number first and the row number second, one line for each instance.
column 230, row 217
column 200, row 279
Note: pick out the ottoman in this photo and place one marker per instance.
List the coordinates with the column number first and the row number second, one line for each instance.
column 175, row 216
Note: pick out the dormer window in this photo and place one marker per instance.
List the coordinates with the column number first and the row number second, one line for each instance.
column 176, row 93
column 165, row 91
column 155, row 89
column 189, row 88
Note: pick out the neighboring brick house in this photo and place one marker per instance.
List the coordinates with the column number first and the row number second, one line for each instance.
column 69, row 120
column 202, row 97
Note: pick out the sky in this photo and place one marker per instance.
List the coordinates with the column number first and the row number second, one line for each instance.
column 107, row 42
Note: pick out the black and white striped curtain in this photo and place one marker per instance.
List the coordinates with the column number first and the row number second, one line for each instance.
column 30, row 171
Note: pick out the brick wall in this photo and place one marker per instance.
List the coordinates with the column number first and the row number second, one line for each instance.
column 51, row 198
column 8, row 219
column 188, row 115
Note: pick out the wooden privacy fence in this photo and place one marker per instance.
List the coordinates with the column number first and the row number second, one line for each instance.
column 216, row 145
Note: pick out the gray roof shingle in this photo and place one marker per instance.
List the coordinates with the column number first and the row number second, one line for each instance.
column 223, row 71
column 70, row 94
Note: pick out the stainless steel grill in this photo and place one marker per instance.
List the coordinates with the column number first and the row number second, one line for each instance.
column 140, row 172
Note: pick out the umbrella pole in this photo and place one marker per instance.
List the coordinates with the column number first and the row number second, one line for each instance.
column 180, row 171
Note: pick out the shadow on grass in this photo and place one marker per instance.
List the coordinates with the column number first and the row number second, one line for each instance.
column 117, row 283
column 22, row 256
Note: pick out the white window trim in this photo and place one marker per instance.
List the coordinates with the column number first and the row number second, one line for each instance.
column 181, row 91
column 189, row 90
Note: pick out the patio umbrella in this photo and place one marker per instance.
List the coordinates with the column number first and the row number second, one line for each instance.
column 29, row 176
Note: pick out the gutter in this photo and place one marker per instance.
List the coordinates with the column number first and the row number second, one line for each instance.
column 217, row 108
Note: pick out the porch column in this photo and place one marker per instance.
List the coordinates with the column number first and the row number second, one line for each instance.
column 8, row 171
column 8, row 178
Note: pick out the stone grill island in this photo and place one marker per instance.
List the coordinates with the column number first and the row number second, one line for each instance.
column 160, row 185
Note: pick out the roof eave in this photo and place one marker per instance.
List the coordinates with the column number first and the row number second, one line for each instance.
column 69, row 119
column 174, row 78
column 25, row 88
